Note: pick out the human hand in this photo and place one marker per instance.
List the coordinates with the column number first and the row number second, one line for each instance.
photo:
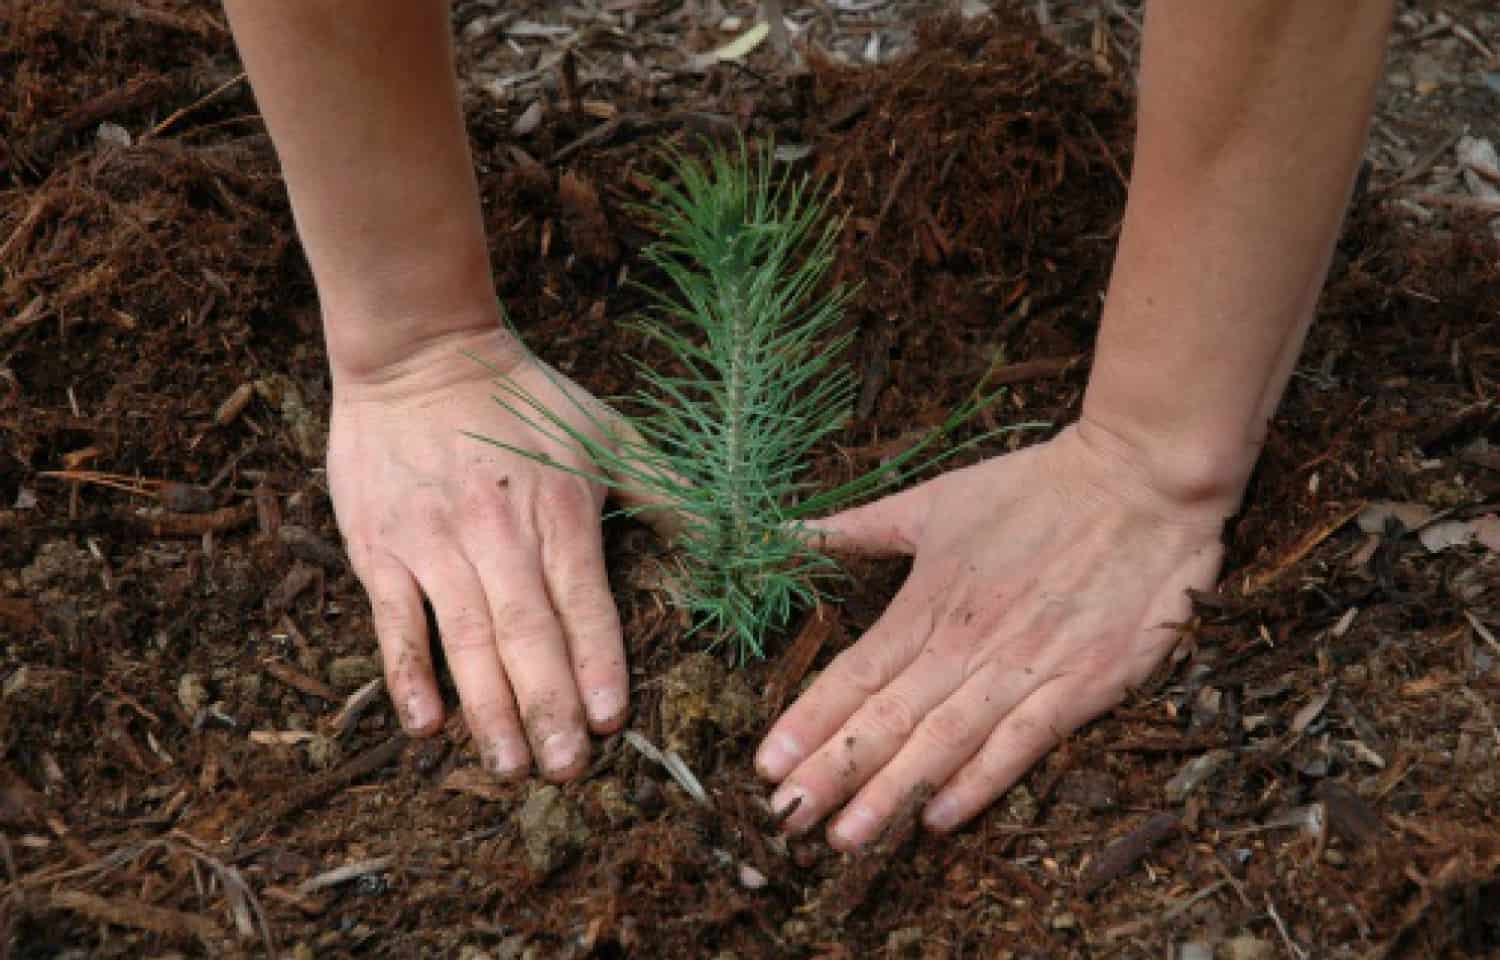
column 508, row 551
column 1044, row 586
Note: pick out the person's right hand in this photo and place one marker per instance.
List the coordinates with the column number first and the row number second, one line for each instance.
column 508, row 551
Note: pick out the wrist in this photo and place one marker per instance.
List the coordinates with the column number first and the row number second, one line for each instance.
column 1179, row 473
column 396, row 354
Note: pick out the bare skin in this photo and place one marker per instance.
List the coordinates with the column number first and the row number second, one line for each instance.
column 1042, row 580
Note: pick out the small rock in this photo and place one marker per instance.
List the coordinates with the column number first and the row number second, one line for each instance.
column 551, row 828
column 1195, row 950
column 470, row 952
column 751, row 878
column 1246, row 947
column 191, row 693
column 1064, row 921
column 1195, row 773
column 302, row 951
column 351, row 673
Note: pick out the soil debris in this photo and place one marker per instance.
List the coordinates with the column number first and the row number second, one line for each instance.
column 551, row 828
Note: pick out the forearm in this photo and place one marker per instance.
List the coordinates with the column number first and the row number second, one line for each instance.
column 361, row 102
column 1252, row 119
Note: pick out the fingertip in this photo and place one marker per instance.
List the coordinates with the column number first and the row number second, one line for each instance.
column 420, row 712
column 507, row 759
column 605, row 708
column 778, row 756
column 563, row 757
column 944, row 814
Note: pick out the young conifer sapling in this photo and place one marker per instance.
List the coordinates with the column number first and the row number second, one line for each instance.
column 723, row 439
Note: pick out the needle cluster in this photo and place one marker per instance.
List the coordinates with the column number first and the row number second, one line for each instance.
column 723, row 439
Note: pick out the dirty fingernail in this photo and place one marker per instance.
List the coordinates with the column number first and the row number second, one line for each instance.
column 777, row 756
column 506, row 759
column 942, row 813
column 417, row 715
column 855, row 828
column 558, row 752
column 604, row 705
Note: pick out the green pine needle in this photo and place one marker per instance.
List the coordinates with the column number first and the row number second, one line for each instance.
column 725, row 441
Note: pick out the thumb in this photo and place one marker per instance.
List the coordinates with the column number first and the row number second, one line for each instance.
column 887, row 527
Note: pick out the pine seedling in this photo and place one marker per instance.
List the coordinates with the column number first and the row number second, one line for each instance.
column 723, row 440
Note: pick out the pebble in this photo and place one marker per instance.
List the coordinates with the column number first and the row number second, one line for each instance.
column 751, row 878
column 551, row 828
column 1195, row 950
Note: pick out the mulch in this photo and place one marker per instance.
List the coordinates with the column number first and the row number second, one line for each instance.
column 194, row 756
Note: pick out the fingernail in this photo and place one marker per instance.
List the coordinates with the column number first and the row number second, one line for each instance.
column 558, row 752
column 604, row 705
column 792, row 821
column 777, row 756
column 417, row 715
column 506, row 759
column 942, row 813
column 855, row 828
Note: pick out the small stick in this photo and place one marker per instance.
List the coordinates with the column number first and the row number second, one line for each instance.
column 298, row 680
column 349, row 871
column 177, row 115
column 1291, row 945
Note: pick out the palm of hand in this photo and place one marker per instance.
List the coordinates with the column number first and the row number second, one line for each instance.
column 1038, row 596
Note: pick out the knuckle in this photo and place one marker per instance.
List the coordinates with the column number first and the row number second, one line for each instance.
column 893, row 714
column 524, row 624
column 949, row 729
column 467, row 630
column 859, row 669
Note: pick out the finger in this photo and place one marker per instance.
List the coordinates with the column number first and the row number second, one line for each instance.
column 533, row 651
column 947, row 737
column 890, row 526
column 864, row 744
column 853, row 678
column 401, row 627
column 463, row 618
column 1034, row 727
column 577, row 582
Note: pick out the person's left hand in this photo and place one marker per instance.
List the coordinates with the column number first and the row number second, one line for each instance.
column 1045, row 584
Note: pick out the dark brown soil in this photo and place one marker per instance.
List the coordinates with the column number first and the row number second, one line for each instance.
column 179, row 632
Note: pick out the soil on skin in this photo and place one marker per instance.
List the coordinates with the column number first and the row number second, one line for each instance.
column 1319, row 765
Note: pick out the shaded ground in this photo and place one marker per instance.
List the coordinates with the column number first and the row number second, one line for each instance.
column 180, row 765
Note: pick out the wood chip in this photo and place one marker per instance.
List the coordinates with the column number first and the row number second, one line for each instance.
column 476, row 782
column 137, row 915
column 821, row 625
column 846, row 892
column 298, row 680
column 1119, row 857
